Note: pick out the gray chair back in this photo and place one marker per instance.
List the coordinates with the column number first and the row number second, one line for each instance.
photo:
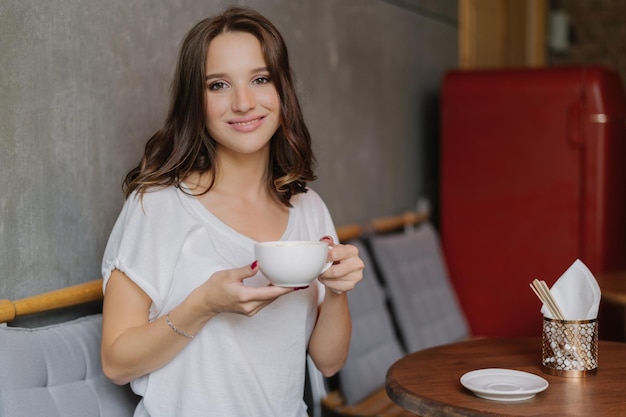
column 422, row 298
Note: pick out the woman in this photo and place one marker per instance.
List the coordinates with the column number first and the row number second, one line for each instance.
column 187, row 317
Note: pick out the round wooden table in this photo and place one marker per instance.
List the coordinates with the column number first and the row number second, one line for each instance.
column 428, row 382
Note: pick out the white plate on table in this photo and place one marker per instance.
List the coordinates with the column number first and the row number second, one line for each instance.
column 503, row 384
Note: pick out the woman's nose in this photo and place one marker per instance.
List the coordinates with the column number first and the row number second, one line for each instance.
column 243, row 99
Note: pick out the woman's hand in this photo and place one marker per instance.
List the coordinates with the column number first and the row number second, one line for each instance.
column 226, row 292
column 346, row 270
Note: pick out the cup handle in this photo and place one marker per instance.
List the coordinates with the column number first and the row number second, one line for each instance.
column 328, row 264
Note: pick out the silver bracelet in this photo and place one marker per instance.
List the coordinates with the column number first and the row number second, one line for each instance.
column 176, row 329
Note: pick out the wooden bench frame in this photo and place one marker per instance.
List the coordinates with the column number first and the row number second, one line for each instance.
column 65, row 297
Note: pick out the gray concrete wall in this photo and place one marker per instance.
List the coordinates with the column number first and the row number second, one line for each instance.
column 84, row 83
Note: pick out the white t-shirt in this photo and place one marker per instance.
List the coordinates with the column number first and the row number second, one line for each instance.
column 168, row 244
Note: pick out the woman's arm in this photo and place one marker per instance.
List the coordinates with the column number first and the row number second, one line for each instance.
column 330, row 339
column 132, row 346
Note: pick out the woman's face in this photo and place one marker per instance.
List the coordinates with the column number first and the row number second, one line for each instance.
column 242, row 104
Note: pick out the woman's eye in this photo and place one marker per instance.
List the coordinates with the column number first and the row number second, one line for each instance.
column 217, row 85
column 261, row 80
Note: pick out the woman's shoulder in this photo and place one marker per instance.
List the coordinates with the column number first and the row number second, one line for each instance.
column 309, row 199
column 311, row 211
column 157, row 212
column 310, row 204
column 154, row 200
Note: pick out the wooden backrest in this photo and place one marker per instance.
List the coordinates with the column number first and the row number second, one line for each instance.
column 65, row 297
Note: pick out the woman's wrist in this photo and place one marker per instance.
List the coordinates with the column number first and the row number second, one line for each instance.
column 189, row 317
column 333, row 295
column 177, row 330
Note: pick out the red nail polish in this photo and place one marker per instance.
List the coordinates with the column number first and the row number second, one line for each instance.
column 254, row 264
column 300, row 288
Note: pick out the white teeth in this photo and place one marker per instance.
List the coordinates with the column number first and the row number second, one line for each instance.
column 245, row 123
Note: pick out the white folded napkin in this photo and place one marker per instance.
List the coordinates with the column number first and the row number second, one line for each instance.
column 577, row 293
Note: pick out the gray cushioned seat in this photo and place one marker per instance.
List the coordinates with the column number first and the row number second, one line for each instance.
column 55, row 371
column 423, row 300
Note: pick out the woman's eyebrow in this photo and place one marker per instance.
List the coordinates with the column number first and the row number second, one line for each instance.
column 260, row 69
column 217, row 75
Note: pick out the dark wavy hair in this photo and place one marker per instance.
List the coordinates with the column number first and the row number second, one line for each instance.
column 183, row 145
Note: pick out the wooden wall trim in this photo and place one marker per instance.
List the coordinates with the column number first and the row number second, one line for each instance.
column 502, row 33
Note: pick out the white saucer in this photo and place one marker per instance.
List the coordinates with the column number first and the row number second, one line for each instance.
column 503, row 384
column 293, row 285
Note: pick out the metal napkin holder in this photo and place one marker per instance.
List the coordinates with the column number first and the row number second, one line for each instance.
column 569, row 347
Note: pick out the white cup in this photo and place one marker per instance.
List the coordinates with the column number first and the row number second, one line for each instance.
column 292, row 263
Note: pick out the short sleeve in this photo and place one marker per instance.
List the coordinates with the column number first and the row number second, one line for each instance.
column 145, row 243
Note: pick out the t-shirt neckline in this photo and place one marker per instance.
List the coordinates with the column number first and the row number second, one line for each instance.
column 207, row 216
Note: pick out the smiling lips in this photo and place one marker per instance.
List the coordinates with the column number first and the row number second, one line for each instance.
column 246, row 125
